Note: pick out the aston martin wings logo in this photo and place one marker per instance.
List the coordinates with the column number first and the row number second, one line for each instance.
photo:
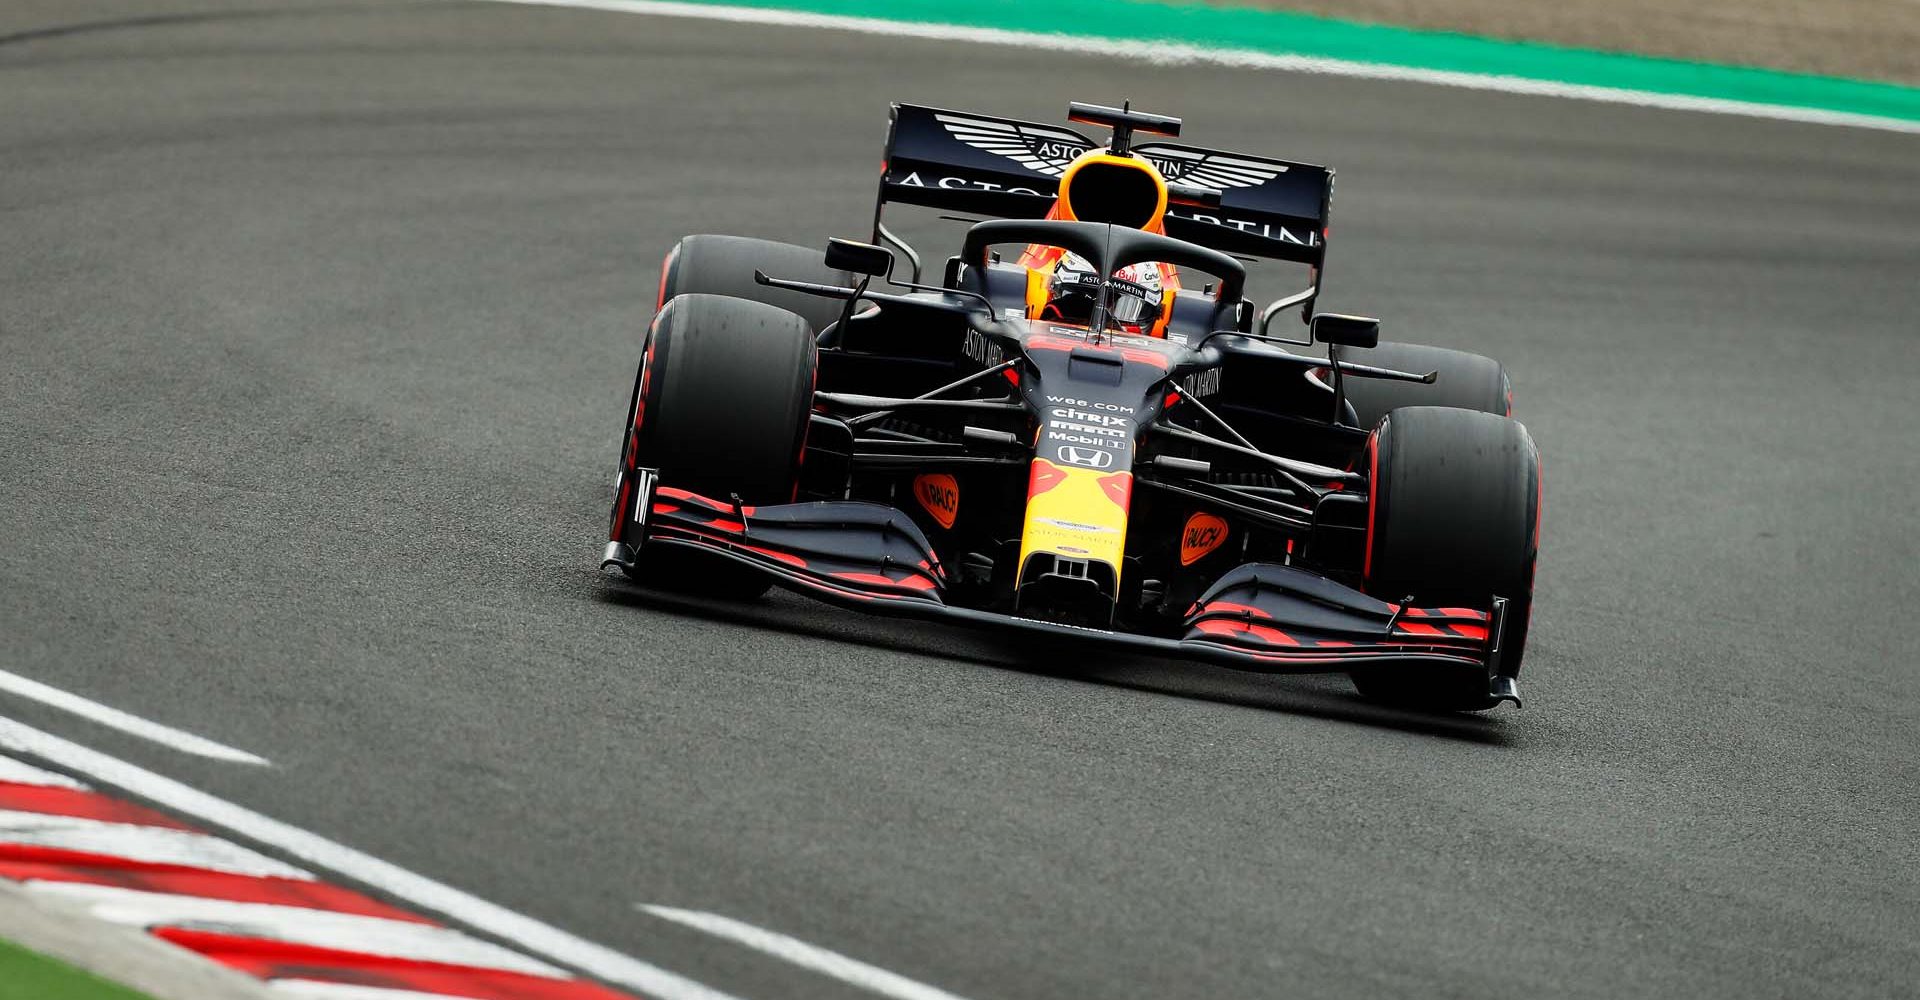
column 1216, row 171
column 1038, row 148
column 1047, row 150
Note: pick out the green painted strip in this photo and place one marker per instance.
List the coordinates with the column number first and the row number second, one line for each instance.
column 1285, row 33
column 27, row 975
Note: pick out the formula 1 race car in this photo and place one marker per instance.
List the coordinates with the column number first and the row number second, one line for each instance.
column 1077, row 442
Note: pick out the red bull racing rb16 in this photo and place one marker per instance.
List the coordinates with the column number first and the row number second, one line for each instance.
column 1085, row 428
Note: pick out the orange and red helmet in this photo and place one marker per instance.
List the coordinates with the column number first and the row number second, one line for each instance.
column 1123, row 190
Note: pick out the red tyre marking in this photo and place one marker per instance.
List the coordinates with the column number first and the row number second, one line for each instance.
column 1373, row 493
column 640, row 400
column 666, row 264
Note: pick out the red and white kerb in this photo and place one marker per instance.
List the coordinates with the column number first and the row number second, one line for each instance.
column 307, row 939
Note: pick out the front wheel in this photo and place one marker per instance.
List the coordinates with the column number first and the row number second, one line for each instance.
column 1453, row 520
column 720, row 407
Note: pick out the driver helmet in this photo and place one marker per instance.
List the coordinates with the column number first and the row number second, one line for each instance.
column 1134, row 293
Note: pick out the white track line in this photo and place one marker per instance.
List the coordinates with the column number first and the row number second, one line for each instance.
column 530, row 934
column 155, row 844
column 294, row 925
column 800, row 953
column 14, row 772
column 314, row 989
column 180, row 740
column 1170, row 53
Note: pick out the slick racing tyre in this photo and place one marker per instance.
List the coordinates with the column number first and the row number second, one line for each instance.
column 1453, row 517
column 724, row 265
column 1467, row 381
column 720, row 407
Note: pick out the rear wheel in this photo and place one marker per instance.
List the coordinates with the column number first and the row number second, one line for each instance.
column 1467, row 381
column 720, row 408
column 1453, row 521
column 724, row 265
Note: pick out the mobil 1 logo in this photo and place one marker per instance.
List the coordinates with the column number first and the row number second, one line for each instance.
column 1088, row 434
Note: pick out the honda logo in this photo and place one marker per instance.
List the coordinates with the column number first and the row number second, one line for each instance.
column 1086, row 458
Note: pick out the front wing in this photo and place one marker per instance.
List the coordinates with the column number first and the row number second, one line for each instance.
column 1260, row 616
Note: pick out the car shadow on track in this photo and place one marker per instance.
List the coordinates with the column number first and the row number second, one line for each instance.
column 1316, row 696
column 1320, row 696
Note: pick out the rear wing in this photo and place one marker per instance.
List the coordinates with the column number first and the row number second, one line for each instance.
column 982, row 165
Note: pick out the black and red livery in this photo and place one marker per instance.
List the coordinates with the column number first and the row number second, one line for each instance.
column 945, row 450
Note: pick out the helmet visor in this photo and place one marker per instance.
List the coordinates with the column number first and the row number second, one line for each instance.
column 1133, row 304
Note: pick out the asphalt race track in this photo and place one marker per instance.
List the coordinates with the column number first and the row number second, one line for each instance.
column 317, row 322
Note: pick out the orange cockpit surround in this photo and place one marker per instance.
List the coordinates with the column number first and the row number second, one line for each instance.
column 1099, row 186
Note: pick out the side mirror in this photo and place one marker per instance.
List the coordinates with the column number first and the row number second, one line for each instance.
column 1243, row 316
column 1346, row 331
column 860, row 258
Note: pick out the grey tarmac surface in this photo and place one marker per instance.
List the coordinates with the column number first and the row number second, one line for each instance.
column 318, row 322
